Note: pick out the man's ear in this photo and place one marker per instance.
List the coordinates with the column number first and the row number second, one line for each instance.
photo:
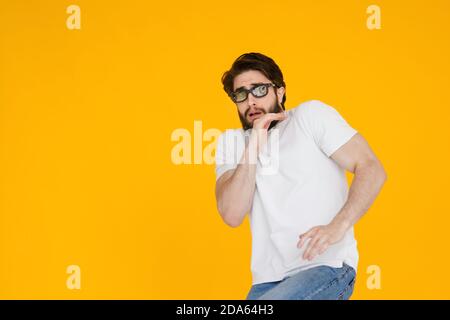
column 280, row 94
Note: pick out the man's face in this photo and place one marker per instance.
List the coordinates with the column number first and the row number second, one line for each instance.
column 253, row 108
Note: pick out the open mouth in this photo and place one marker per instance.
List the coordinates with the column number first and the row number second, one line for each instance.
column 253, row 115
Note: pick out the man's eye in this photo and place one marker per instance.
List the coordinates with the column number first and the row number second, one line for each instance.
column 239, row 95
column 261, row 90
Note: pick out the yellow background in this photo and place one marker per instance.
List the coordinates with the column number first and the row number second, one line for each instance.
column 87, row 115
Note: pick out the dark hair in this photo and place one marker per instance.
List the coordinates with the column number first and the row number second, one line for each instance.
column 254, row 61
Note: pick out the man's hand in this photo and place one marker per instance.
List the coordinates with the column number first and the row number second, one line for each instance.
column 264, row 121
column 261, row 125
column 321, row 238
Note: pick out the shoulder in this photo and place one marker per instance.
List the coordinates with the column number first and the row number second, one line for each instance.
column 312, row 108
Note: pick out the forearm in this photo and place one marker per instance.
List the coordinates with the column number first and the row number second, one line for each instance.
column 237, row 196
column 366, row 185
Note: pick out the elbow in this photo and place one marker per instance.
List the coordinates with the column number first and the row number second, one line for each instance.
column 233, row 223
column 375, row 169
column 231, row 217
column 384, row 176
column 233, row 220
column 382, row 173
column 232, row 212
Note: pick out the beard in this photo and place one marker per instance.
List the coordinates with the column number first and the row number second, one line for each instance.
column 275, row 108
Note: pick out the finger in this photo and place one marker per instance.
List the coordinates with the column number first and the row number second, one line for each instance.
column 310, row 231
column 273, row 116
column 311, row 245
column 283, row 115
column 314, row 247
column 318, row 248
column 264, row 122
column 324, row 247
column 268, row 121
column 280, row 115
column 305, row 236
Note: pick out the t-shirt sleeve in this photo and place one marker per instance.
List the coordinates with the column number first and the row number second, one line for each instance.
column 327, row 127
column 229, row 149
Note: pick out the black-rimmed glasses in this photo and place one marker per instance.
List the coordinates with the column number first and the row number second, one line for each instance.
column 258, row 91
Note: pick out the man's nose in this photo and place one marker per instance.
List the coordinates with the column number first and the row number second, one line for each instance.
column 251, row 100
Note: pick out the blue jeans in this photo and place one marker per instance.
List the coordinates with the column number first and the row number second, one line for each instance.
column 318, row 283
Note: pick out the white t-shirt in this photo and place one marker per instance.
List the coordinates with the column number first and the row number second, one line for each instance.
column 298, row 186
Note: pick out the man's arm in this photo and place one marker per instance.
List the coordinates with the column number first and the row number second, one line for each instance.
column 357, row 157
column 235, row 188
